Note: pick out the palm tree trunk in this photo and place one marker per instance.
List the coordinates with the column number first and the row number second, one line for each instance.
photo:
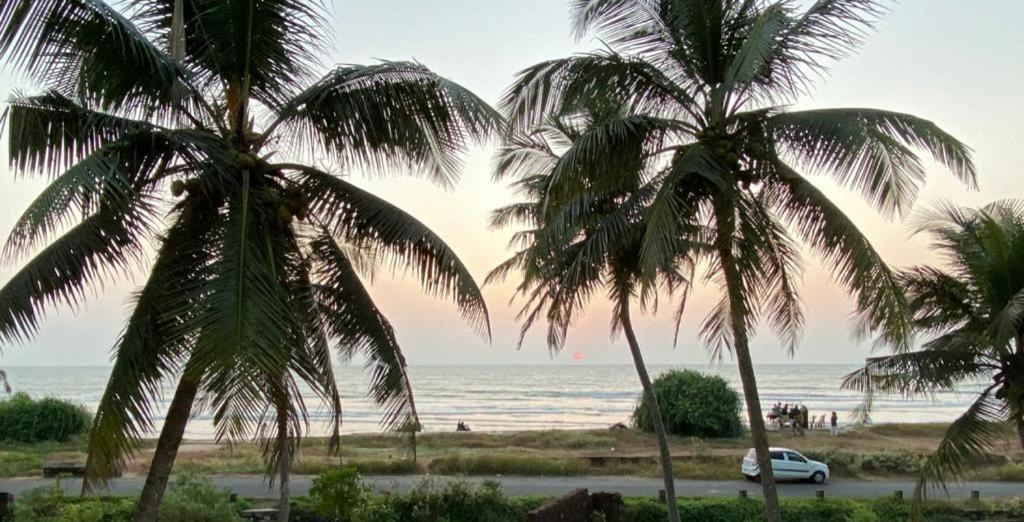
column 167, row 449
column 738, row 313
column 652, row 401
column 1020, row 432
column 284, row 465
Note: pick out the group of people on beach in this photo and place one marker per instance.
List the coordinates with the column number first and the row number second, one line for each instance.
column 798, row 419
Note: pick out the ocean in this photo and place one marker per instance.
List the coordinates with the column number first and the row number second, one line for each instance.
column 514, row 398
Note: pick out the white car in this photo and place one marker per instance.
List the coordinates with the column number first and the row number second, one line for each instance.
column 787, row 464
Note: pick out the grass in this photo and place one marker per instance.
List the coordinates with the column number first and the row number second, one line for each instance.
column 507, row 465
column 18, row 459
column 881, row 451
column 15, row 464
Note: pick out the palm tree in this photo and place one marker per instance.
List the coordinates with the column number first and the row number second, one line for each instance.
column 971, row 311
column 587, row 243
column 259, row 253
column 718, row 75
column 3, row 381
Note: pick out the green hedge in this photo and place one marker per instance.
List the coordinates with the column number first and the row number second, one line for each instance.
column 191, row 498
column 793, row 510
column 23, row 419
column 693, row 405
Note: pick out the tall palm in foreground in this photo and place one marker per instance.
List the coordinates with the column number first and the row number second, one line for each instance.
column 972, row 311
column 184, row 124
column 713, row 78
column 586, row 244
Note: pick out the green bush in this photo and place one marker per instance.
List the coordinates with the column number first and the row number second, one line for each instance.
column 16, row 464
column 451, row 502
column 193, row 498
column 793, row 510
column 693, row 404
column 338, row 494
column 51, row 504
column 23, row 419
column 848, row 464
column 39, row 504
column 507, row 465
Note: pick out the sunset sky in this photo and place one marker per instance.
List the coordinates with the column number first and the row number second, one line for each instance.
column 960, row 64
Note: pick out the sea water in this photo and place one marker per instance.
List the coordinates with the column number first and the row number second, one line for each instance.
column 513, row 398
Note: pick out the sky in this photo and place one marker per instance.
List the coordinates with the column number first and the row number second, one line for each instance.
column 960, row 64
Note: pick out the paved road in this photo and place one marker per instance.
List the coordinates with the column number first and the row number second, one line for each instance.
column 256, row 487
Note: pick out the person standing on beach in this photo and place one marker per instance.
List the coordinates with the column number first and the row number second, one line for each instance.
column 834, row 425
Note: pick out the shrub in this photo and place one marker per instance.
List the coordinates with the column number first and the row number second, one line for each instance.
column 23, row 419
column 451, row 502
column 39, row 504
column 507, row 465
column 51, row 504
column 848, row 464
column 793, row 510
column 338, row 494
column 693, row 404
column 16, row 464
column 193, row 498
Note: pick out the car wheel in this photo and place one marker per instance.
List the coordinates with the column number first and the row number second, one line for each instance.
column 818, row 477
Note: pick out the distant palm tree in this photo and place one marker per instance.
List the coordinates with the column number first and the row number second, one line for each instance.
column 189, row 125
column 714, row 79
column 5, row 382
column 585, row 244
column 972, row 311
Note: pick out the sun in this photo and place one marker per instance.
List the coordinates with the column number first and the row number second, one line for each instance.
column 578, row 356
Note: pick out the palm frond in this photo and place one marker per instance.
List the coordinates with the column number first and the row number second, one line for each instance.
column 114, row 177
column 672, row 223
column 968, row 436
column 881, row 303
column 527, row 155
column 796, row 48
column 661, row 30
column 358, row 326
column 771, row 262
column 312, row 359
column 50, row 132
column 918, row 374
column 939, row 300
column 360, row 218
column 608, row 158
column 86, row 50
column 101, row 248
column 270, row 44
column 565, row 86
column 242, row 320
column 153, row 346
column 759, row 47
column 389, row 115
column 829, row 30
column 870, row 150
